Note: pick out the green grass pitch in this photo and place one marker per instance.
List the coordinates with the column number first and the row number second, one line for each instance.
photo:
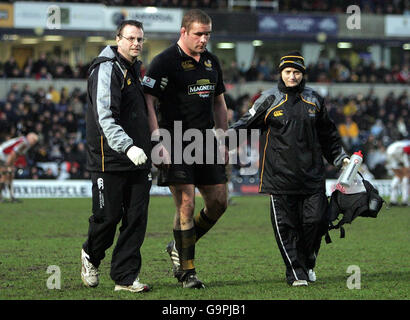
column 237, row 260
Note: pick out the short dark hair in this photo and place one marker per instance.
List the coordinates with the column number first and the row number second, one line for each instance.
column 124, row 23
column 195, row 15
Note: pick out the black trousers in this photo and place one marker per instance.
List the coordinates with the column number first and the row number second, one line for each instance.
column 299, row 223
column 119, row 196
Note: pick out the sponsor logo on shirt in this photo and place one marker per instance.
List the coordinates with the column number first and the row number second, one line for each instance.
column 208, row 64
column 100, row 184
column 149, row 82
column 187, row 65
column 278, row 113
column 203, row 88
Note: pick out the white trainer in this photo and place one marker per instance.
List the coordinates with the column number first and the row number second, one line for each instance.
column 299, row 283
column 136, row 286
column 312, row 275
column 89, row 273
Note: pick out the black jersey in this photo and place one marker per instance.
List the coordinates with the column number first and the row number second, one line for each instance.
column 192, row 86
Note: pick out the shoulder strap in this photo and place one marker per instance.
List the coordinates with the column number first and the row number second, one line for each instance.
column 337, row 226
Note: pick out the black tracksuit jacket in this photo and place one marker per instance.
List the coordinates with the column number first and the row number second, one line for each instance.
column 117, row 116
column 296, row 132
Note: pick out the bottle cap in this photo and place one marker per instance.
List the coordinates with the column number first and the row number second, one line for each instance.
column 359, row 153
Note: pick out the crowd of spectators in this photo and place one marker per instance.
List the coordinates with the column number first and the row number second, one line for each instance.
column 45, row 67
column 323, row 71
column 364, row 122
column 339, row 6
column 294, row 6
column 58, row 118
column 371, row 124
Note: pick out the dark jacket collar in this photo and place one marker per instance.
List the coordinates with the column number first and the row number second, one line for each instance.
column 134, row 67
column 182, row 53
column 111, row 53
column 291, row 90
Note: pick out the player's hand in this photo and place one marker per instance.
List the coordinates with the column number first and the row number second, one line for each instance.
column 223, row 150
column 164, row 83
column 136, row 155
column 164, row 159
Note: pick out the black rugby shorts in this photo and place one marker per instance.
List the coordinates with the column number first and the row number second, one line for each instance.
column 197, row 174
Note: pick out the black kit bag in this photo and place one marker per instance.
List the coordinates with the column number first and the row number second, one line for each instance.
column 351, row 206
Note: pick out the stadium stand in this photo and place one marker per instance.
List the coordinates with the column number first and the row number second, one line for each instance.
column 58, row 117
column 324, row 71
column 293, row 6
column 366, row 120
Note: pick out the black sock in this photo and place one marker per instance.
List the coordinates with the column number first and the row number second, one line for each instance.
column 202, row 224
column 185, row 244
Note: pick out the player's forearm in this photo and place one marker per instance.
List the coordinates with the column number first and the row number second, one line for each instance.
column 152, row 116
column 220, row 113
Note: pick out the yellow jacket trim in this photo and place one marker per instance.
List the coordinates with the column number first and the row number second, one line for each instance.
column 263, row 161
column 314, row 104
column 102, row 152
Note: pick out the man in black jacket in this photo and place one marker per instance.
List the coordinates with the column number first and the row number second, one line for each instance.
column 118, row 147
column 296, row 132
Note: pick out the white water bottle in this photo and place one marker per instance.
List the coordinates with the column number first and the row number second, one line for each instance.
column 349, row 173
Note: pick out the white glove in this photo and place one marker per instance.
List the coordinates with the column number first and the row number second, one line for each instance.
column 136, row 155
column 164, row 83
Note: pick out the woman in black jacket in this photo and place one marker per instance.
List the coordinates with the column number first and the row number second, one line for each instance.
column 296, row 133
